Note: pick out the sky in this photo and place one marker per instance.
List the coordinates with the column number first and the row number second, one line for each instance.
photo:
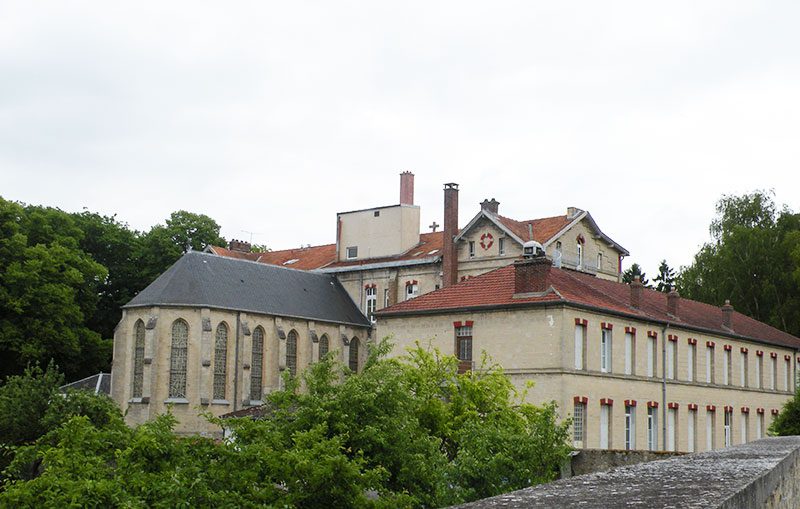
column 270, row 117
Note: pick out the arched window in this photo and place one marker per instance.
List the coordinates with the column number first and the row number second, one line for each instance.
column 257, row 364
column 324, row 346
column 138, row 358
column 291, row 352
column 220, row 360
column 353, row 360
column 177, row 359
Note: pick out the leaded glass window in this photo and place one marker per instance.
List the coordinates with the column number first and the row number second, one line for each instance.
column 353, row 360
column 324, row 346
column 138, row 359
column 257, row 364
column 291, row 352
column 220, row 360
column 177, row 359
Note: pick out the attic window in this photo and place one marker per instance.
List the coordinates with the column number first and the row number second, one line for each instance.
column 377, row 213
column 293, row 260
column 352, row 252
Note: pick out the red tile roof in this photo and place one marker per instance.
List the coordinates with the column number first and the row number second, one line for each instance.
column 430, row 244
column 495, row 290
column 543, row 229
column 305, row 258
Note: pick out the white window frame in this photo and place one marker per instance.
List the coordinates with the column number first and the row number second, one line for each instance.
column 743, row 369
column 743, row 427
column 351, row 252
column 605, row 426
column 728, row 423
column 759, row 371
column 580, row 255
column 671, row 359
column 788, row 369
column 630, row 353
column 710, row 425
column 630, row 427
column 412, row 290
column 773, row 379
column 710, row 364
column 371, row 298
column 690, row 360
column 691, row 435
column 501, row 246
column 652, row 429
column 652, row 352
column 599, row 261
column 579, row 424
column 580, row 346
column 672, row 434
column 385, row 297
column 726, row 367
column 759, row 426
column 605, row 350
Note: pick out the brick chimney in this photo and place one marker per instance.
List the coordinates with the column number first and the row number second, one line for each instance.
column 727, row 315
column 449, row 251
column 239, row 245
column 636, row 292
column 673, row 301
column 490, row 206
column 532, row 275
column 406, row 188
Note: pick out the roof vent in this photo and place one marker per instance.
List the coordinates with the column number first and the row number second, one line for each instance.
column 532, row 249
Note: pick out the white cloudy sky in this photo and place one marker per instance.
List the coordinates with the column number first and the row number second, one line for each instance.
column 272, row 116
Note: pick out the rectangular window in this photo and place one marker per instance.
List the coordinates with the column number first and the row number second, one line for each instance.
column 652, row 429
column 728, row 423
column 464, row 343
column 710, row 364
column 605, row 350
column 690, row 357
column 652, row 353
column 773, row 376
column 599, row 261
column 672, row 432
column 501, row 246
column 759, row 369
column 605, row 425
column 759, row 426
column 580, row 255
column 412, row 290
column 672, row 360
column 580, row 346
column 691, row 437
column 472, row 249
column 630, row 427
column 372, row 302
column 352, row 252
column 710, row 426
column 786, row 374
column 578, row 423
column 386, row 298
column 726, row 367
column 744, row 425
column 630, row 353
column 743, row 369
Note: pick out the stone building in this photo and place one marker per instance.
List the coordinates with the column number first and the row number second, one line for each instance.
column 381, row 258
column 634, row 368
column 214, row 334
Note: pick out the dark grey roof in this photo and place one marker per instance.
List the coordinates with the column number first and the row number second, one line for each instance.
column 207, row 280
column 98, row 384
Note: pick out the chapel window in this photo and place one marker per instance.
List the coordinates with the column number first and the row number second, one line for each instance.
column 178, row 359
column 352, row 361
column 220, row 361
column 257, row 365
column 291, row 352
column 324, row 346
column 138, row 359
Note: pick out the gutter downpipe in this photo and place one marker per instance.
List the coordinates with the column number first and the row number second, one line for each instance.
column 664, row 386
column 236, row 364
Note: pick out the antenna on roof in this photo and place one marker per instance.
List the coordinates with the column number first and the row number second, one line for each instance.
column 251, row 234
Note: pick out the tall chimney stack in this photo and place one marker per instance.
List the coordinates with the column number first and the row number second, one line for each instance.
column 673, row 299
column 449, row 251
column 727, row 314
column 636, row 292
column 406, row 188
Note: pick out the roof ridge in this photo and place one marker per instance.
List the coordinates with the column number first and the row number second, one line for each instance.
column 260, row 264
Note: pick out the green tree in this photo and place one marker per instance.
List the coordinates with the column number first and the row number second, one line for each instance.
column 665, row 279
column 787, row 421
column 753, row 260
column 635, row 270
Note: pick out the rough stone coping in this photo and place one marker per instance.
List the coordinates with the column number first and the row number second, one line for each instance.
column 738, row 476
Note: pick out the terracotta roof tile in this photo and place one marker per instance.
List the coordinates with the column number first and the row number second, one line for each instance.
column 543, row 229
column 306, row 258
column 495, row 289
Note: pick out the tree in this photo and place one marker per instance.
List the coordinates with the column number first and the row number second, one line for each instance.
column 787, row 421
column 666, row 277
column 407, row 432
column 753, row 260
column 635, row 270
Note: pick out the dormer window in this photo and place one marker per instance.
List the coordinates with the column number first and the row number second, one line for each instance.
column 472, row 249
column 352, row 252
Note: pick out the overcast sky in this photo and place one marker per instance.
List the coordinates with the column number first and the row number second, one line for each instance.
column 272, row 116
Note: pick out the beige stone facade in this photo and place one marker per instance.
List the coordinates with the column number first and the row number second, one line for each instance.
column 539, row 345
column 203, row 324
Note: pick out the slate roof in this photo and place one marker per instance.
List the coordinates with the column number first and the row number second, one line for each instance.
column 495, row 290
column 207, row 280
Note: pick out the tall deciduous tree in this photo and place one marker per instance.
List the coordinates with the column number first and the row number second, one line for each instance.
column 753, row 259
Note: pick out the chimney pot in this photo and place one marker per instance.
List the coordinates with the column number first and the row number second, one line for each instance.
column 727, row 314
column 239, row 245
column 532, row 275
column 490, row 206
column 406, row 188
column 636, row 292
column 673, row 300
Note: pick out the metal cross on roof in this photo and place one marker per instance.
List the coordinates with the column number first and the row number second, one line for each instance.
column 433, row 226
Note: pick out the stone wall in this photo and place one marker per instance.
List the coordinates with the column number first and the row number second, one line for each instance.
column 760, row 474
column 589, row 461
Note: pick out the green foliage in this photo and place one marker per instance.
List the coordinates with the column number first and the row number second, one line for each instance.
column 402, row 433
column 63, row 278
column 753, row 260
column 635, row 270
column 665, row 279
column 787, row 422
